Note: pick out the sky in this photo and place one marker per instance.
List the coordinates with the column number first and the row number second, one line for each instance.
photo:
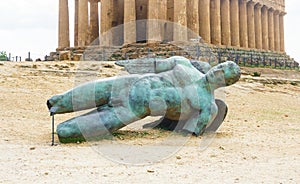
column 31, row 26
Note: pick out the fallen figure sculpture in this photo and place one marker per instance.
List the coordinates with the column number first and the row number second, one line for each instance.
column 180, row 90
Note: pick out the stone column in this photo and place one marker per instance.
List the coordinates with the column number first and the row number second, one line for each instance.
column 215, row 22
column 163, row 18
column 258, row 31
column 204, row 20
column 243, row 24
column 281, row 24
column 107, row 17
column 180, row 20
column 163, row 10
column 251, row 25
column 153, row 28
column 234, row 23
column 118, row 18
column 193, row 18
column 265, row 28
column 83, row 26
column 129, row 22
column 170, row 18
column 225, row 22
column 76, row 24
column 271, row 29
column 276, row 31
column 64, row 35
column 94, row 22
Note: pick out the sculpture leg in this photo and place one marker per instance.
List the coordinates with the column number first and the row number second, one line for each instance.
column 95, row 124
column 90, row 95
column 222, row 112
column 171, row 125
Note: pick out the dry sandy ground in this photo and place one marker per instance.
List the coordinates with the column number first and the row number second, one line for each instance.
column 259, row 141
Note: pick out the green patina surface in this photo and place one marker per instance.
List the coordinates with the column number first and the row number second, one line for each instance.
column 178, row 89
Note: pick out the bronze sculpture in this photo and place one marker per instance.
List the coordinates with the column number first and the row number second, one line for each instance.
column 176, row 90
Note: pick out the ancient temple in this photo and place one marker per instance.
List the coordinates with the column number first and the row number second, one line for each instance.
column 246, row 24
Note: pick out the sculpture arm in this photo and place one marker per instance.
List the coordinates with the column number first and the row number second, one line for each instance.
column 203, row 104
column 200, row 120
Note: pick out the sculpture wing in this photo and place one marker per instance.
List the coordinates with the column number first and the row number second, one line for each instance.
column 203, row 67
column 138, row 66
column 148, row 65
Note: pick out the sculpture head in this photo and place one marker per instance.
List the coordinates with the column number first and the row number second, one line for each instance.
column 223, row 74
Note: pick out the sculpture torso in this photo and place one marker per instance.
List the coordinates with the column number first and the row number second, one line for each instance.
column 174, row 94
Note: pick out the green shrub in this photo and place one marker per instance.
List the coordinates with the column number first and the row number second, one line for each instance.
column 256, row 74
column 3, row 56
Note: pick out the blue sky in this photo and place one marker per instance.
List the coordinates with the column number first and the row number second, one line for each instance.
column 31, row 25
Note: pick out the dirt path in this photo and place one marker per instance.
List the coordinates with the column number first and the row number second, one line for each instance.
column 259, row 141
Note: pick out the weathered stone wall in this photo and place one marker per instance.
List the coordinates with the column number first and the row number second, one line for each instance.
column 203, row 52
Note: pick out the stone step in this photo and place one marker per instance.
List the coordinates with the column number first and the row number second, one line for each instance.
column 202, row 51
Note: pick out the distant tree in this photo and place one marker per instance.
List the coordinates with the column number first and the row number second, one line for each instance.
column 3, row 56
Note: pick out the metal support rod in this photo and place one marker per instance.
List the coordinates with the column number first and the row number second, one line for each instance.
column 52, row 115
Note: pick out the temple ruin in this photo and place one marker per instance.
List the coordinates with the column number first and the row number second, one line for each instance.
column 241, row 24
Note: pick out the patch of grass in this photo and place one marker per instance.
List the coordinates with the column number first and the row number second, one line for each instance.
column 71, row 140
column 256, row 74
column 293, row 83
